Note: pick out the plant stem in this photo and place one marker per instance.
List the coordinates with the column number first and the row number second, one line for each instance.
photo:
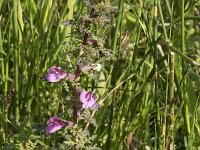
column 171, row 100
column 16, row 67
column 155, row 36
column 67, row 29
column 119, row 18
column 185, row 111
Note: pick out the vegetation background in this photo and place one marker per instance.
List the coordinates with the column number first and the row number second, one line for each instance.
column 148, row 88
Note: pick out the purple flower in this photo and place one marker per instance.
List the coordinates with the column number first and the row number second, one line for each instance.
column 88, row 100
column 54, row 124
column 55, row 74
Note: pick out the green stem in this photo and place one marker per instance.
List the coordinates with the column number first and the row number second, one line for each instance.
column 171, row 100
column 155, row 34
column 182, row 28
column 2, row 62
column 16, row 67
column 67, row 29
column 162, row 20
column 192, row 17
column 185, row 111
column 119, row 18
column 183, row 56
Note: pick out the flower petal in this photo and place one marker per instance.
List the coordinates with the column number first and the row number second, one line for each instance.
column 51, row 128
column 52, row 78
column 88, row 100
column 54, row 124
column 55, row 74
column 83, row 97
column 97, row 67
column 95, row 106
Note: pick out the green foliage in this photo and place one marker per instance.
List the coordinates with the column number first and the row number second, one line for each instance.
column 79, row 139
column 148, row 88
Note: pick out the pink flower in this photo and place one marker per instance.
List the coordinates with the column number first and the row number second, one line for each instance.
column 55, row 74
column 54, row 124
column 88, row 100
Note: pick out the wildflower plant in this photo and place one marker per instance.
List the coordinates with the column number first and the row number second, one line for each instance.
column 85, row 48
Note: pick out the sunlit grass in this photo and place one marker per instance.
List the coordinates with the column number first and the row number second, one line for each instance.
column 148, row 88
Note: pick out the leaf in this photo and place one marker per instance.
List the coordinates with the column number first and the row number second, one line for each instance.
column 192, row 99
column 130, row 16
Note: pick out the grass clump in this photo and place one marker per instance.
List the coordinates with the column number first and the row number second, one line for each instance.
column 147, row 89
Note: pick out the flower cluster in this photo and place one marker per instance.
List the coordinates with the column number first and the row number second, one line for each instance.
column 87, row 98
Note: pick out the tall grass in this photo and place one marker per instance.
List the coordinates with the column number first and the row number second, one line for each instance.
column 148, row 89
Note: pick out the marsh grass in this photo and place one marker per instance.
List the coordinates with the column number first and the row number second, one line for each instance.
column 148, row 89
